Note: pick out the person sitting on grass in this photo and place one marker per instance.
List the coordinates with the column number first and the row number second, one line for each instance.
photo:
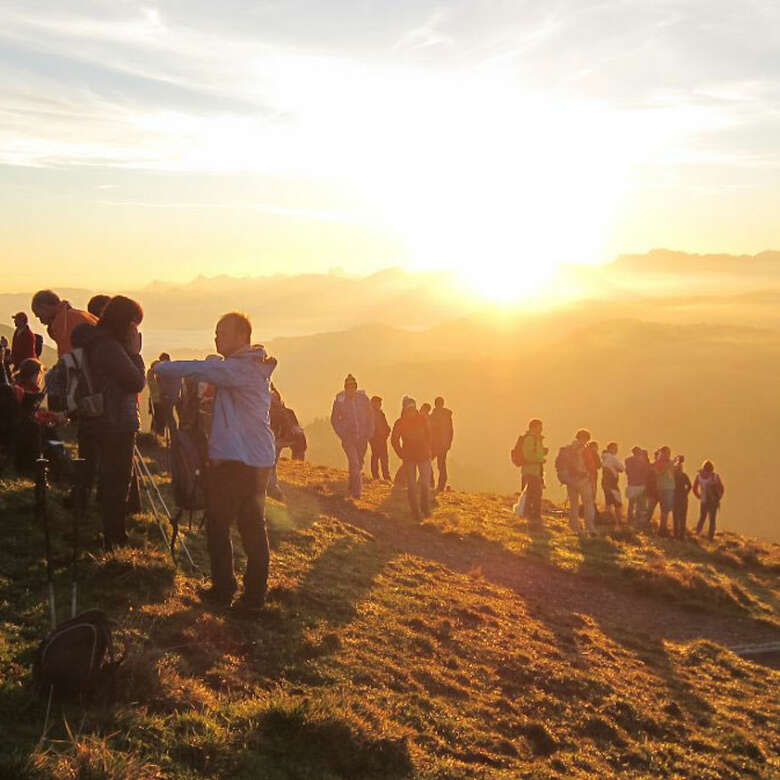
column 241, row 454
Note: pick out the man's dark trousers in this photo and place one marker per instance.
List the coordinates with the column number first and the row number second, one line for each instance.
column 236, row 493
column 441, row 464
column 533, row 497
column 379, row 457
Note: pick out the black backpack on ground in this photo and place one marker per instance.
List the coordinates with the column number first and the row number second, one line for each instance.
column 76, row 655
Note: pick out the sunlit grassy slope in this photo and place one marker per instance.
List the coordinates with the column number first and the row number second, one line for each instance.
column 467, row 647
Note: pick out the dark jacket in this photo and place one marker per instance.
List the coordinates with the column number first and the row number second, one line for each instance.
column 22, row 346
column 441, row 430
column 682, row 486
column 120, row 377
column 411, row 438
column 636, row 470
column 381, row 428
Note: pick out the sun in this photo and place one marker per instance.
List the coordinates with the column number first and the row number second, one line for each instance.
column 506, row 193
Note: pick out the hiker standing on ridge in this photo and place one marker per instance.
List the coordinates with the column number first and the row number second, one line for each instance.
column 682, row 486
column 441, row 439
column 23, row 342
column 534, row 454
column 664, row 469
column 708, row 488
column 352, row 419
column 241, row 453
column 411, row 440
column 610, row 477
column 379, row 455
column 570, row 465
column 113, row 350
column 636, row 475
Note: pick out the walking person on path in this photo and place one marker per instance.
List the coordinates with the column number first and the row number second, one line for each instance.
column 241, row 454
column 411, row 440
column 379, row 454
column 441, row 439
column 709, row 489
column 352, row 419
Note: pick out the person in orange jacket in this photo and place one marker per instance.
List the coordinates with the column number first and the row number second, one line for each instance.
column 60, row 318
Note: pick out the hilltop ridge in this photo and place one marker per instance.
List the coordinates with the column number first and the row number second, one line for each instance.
column 468, row 646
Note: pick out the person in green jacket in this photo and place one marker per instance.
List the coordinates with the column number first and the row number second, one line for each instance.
column 534, row 453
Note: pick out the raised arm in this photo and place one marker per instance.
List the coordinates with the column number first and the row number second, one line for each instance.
column 221, row 373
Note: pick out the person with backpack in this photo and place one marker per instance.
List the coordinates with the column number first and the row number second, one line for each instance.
column 411, row 440
column 593, row 465
column 442, row 433
column 242, row 452
column 708, row 488
column 637, row 466
column 570, row 466
column 530, row 454
column 352, row 419
column 23, row 343
column 116, row 368
column 60, row 318
column 665, row 482
column 379, row 454
column 682, row 487
column 610, row 480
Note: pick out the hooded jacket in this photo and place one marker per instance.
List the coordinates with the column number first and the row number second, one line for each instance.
column 241, row 425
column 411, row 437
column 120, row 377
column 441, row 430
column 352, row 418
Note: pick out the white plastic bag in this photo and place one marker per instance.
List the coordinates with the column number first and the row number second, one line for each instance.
column 519, row 507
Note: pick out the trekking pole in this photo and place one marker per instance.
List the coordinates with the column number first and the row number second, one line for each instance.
column 79, row 469
column 40, row 509
column 148, row 478
column 150, row 500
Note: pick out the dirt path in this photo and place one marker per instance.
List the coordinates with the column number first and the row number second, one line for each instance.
column 545, row 589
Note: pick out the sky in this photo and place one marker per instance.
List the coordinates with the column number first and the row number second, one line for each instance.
column 163, row 140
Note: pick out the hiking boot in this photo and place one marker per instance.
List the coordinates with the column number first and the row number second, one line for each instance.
column 214, row 597
column 249, row 606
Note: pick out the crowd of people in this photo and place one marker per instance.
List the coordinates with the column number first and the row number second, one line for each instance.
column 658, row 483
column 245, row 424
column 418, row 437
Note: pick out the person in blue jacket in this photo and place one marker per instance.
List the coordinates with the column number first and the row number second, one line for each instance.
column 352, row 418
column 242, row 453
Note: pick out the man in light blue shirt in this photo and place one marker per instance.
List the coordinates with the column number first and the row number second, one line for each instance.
column 241, row 455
